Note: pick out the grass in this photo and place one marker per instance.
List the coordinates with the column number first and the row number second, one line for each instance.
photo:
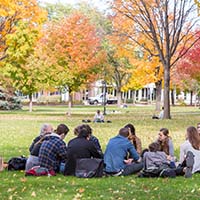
column 17, row 130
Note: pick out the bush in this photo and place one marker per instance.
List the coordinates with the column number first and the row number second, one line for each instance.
column 129, row 101
column 49, row 99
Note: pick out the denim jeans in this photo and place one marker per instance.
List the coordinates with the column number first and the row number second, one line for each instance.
column 132, row 168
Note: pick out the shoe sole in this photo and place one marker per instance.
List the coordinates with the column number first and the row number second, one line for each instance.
column 189, row 164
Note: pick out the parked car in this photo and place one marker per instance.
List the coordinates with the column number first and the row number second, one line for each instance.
column 100, row 98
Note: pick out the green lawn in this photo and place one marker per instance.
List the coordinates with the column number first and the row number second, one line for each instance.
column 17, row 129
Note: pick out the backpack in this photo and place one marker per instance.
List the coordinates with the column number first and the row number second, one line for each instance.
column 89, row 167
column 39, row 171
column 17, row 163
column 161, row 171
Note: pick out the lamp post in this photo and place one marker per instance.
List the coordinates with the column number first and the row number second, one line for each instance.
column 104, row 97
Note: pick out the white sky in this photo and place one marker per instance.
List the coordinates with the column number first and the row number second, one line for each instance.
column 101, row 4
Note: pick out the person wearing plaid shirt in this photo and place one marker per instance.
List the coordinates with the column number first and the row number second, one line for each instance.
column 54, row 150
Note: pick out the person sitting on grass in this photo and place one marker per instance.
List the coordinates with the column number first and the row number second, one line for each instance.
column 160, row 116
column 158, row 164
column 98, row 117
column 32, row 160
column 53, row 150
column 165, row 142
column 155, row 160
column 80, row 147
column 117, row 150
column 191, row 144
column 92, row 138
column 45, row 129
column 134, row 139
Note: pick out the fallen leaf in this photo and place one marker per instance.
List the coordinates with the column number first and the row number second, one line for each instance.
column 23, row 180
column 81, row 190
column 33, row 194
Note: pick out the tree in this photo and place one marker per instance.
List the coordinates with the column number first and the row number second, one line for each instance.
column 21, row 67
column 71, row 49
column 13, row 11
column 188, row 69
column 165, row 24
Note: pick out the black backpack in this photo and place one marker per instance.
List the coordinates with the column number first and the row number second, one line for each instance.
column 17, row 163
column 89, row 167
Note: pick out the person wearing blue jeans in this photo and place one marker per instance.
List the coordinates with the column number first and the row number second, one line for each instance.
column 117, row 151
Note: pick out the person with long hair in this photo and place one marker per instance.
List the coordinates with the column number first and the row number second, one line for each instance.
column 192, row 144
column 165, row 142
column 134, row 139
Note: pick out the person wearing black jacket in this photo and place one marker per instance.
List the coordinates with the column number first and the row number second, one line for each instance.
column 80, row 147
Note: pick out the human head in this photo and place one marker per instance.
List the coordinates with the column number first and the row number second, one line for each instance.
column 85, row 126
column 193, row 137
column 62, row 130
column 131, row 128
column 46, row 128
column 198, row 128
column 98, row 111
column 84, row 133
column 153, row 147
column 163, row 134
column 124, row 132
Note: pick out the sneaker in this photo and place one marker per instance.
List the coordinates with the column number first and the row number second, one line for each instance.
column 189, row 164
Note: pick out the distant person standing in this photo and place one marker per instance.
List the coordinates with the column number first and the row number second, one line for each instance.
column 98, row 117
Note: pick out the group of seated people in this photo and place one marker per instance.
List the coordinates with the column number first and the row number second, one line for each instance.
column 123, row 155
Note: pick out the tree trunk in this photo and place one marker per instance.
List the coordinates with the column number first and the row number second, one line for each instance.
column 119, row 98
column 133, row 93
column 158, row 94
column 166, row 91
column 30, row 103
column 191, row 94
column 69, row 104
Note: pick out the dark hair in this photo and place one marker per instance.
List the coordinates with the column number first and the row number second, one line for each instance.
column 164, row 145
column 78, row 129
column 124, row 132
column 131, row 127
column 165, row 131
column 193, row 137
column 83, row 133
column 155, row 146
column 62, row 128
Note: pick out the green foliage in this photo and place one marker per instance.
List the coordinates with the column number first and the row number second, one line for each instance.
column 20, row 67
column 8, row 101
